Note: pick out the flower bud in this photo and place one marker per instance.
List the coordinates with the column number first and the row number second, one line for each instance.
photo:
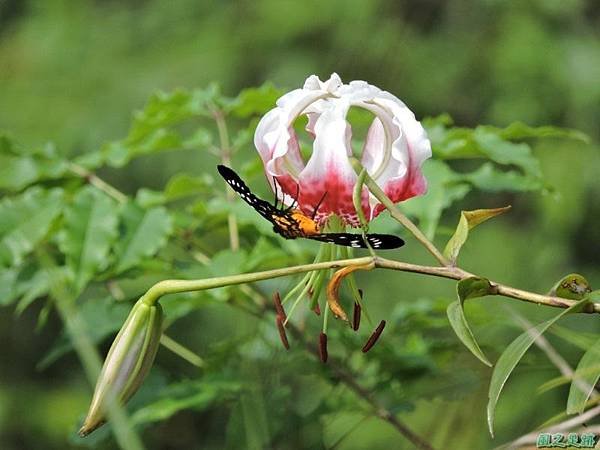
column 129, row 360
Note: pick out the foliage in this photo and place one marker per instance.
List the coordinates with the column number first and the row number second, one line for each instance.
column 105, row 241
column 152, row 208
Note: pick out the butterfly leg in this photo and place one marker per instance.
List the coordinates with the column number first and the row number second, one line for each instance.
column 295, row 202
column 317, row 207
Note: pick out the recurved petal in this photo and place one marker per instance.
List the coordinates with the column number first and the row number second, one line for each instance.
column 329, row 172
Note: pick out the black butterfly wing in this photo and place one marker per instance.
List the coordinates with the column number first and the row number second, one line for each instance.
column 263, row 207
column 376, row 241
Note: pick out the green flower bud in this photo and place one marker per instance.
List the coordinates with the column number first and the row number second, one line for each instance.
column 129, row 360
column 572, row 286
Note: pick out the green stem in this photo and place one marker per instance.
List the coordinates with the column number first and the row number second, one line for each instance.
column 397, row 214
column 225, row 149
column 97, row 182
column 181, row 351
column 177, row 286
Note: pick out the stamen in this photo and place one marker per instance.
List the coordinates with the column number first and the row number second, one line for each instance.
column 356, row 317
column 278, row 306
column 317, row 309
column 373, row 338
column 323, row 347
column 282, row 333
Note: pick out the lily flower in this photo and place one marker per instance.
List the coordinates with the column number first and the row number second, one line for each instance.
column 394, row 150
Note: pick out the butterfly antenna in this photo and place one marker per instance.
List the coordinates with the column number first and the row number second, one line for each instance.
column 317, row 207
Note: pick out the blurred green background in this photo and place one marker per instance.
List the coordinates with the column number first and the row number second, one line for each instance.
column 72, row 72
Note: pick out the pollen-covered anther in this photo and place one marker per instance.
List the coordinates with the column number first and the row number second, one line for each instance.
column 278, row 306
column 333, row 288
column 282, row 333
column 317, row 309
column 357, row 313
column 323, row 355
column 374, row 337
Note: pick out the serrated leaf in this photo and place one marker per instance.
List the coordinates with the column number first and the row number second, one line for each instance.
column 468, row 221
column 154, row 128
column 25, row 221
column 21, row 167
column 254, row 100
column 195, row 394
column 585, row 378
column 90, row 229
column 468, row 288
column 513, row 354
column 146, row 231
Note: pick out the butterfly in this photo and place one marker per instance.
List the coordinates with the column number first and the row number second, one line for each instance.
column 291, row 223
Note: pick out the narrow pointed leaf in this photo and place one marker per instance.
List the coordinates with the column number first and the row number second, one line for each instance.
column 586, row 377
column 459, row 324
column 468, row 220
column 513, row 354
column 90, row 228
column 468, row 288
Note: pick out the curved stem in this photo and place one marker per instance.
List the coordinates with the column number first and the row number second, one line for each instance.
column 364, row 177
column 405, row 221
column 166, row 287
column 97, row 182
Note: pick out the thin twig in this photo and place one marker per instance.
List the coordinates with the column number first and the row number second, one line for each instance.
column 530, row 438
column 225, row 150
column 398, row 215
column 97, row 182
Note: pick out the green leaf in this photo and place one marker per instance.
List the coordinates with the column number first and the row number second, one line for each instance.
column 26, row 219
column 586, row 376
column 90, row 229
column 468, row 288
column 184, row 185
column 32, row 288
column 146, row 231
column 195, row 394
column 154, row 128
column 519, row 131
column 8, row 280
column 468, row 221
column 490, row 177
column 253, row 101
column 20, row 167
column 513, row 354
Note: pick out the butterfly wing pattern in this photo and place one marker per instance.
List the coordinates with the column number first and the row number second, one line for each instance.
column 287, row 224
column 261, row 206
column 376, row 241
